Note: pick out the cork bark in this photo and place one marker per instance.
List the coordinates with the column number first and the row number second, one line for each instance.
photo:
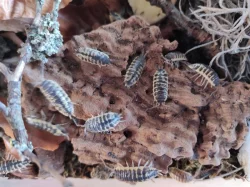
column 193, row 123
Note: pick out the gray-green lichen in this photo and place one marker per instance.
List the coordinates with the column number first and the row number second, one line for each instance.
column 46, row 38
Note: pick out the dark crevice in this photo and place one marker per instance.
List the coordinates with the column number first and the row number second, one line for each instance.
column 123, row 72
column 112, row 100
column 128, row 133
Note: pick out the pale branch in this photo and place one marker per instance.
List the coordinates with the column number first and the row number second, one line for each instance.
column 56, row 8
column 15, row 113
column 39, row 5
column 26, row 53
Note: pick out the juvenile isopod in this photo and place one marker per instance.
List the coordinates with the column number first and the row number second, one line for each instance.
column 134, row 70
column 136, row 173
column 92, row 56
column 103, row 123
column 160, row 86
column 112, row 155
column 208, row 75
column 174, row 58
column 56, row 130
column 10, row 166
column 55, row 94
column 180, row 175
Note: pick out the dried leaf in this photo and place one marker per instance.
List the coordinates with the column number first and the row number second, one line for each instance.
column 15, row 14
column 10, row 9
column 54, row 159
column 75, row 20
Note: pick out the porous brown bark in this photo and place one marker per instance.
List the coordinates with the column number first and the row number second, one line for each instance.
column 147, row 132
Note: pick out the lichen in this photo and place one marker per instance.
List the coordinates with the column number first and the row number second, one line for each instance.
column 46, row 39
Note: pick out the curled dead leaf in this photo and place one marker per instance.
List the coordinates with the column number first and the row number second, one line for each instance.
column 15, row 14
column 10, row 9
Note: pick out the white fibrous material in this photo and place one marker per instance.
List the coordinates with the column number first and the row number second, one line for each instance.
column 244, row 155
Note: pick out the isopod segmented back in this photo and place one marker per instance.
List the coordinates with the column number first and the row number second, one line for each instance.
column 160, row 86
column 56, row 130
column 176, row 56
column 207, row 75
column 92, row 56
column 136, row 174
column 102, row 123
column 10, row 166
column 57, row 97
column 180, row 175
column 134, row 70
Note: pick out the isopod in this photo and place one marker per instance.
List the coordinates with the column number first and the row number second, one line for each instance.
column 174, row 58
column 136, row 173
column 180, row 175
column 102, row 123
column 134, row 70
column 112, row 155
column 92, row 56
column 58, row 98
column 160, row 86
column 56, row 130
column 209, row 76
column 10, row 166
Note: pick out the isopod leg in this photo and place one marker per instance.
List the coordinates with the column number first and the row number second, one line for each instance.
column 203, row 80
column 197, row 78
column 67, row 137
column 206, row 85
column 146, row 163
column 106, row 165
column 139, row 163
column 195, row 75
column 120, row 165
column 74, row 120
column 150, row 164
column 127, row 163
column 198, row 171
column 52, row 118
